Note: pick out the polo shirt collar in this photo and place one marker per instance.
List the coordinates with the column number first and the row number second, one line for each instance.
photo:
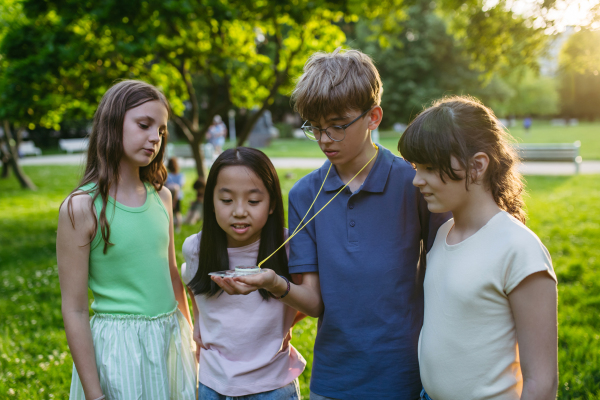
column 376, row 180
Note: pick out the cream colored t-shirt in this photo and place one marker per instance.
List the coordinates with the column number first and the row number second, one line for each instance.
column 468, row 343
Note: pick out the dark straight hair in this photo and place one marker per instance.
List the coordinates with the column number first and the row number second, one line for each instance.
column 462, row 126
column 212, row 251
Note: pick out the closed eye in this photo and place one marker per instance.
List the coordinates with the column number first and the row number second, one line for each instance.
column 226, row 201
column 143, row 126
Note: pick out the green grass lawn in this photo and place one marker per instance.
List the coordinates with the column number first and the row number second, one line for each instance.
column 35, row 362
column 541, row 132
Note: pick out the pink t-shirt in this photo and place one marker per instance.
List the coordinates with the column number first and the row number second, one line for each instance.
column 246, row 337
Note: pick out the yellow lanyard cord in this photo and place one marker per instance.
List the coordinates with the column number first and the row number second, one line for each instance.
column 313, row 203
column 298, row 228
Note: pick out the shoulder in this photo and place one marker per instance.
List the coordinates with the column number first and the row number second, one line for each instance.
column 165, row 195
column 80, row 203
column 190, row 245
column 520, row 241
column 77, row 210
column 307, row 184
column 402, row 170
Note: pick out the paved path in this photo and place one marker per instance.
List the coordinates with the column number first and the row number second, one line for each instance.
column 527, row 168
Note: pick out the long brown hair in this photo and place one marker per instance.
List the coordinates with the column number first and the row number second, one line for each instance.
column 462, row 126
column 106, row 147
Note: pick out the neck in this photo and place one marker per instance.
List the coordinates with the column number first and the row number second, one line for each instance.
column 347, row 170
column 475, row 213
column 129, row 178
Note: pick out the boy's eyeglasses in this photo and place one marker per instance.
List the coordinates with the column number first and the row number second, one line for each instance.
column 337, row 133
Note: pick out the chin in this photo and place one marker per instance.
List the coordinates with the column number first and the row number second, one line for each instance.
column 437, row 208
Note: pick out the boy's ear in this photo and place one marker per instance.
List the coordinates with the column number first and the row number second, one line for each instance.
column 375, row 116
column 479, row 165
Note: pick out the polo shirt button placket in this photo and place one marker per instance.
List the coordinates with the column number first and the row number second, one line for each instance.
column 351, row 206
column 352, row 224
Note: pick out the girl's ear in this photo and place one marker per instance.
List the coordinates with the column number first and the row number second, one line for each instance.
column 271, row 208
column 479, row 165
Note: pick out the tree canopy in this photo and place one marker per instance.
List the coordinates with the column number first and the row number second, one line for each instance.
column 60, row 56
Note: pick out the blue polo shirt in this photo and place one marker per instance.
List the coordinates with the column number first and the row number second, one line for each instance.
column 365, row 247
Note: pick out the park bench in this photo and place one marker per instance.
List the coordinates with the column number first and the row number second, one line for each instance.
column 73, row 145
column 567, row 152
column 185, row 151
column 28, row 148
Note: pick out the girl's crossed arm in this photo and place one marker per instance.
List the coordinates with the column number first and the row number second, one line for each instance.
column 72, row 253
column 304, row 295
column 533, row 303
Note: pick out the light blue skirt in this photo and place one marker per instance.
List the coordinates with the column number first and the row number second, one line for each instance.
column 140, row 357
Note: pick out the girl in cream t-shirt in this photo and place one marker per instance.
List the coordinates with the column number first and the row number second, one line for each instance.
column 489, row 328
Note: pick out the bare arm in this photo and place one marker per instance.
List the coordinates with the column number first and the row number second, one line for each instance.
column 196, row 334
column 72, row 253
column 304, row 297
column 178, row 288
column 533, row 303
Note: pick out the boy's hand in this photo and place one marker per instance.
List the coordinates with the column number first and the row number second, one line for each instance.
column 249, row 283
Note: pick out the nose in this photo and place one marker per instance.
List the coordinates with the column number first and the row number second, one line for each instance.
column 155, row 136
column 239, row 210
column 324, row 137
column 418, row 180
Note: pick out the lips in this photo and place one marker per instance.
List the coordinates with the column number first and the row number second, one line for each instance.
column 240, row 229
column 149, row 151
column 330, row 153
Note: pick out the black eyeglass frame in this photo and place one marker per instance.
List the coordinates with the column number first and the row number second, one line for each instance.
column 305, row 127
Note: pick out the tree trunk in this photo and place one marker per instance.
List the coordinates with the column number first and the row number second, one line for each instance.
column 194, row 138
column 13, row 160
column 247, row 129
column 198, row 157
column 4, row 156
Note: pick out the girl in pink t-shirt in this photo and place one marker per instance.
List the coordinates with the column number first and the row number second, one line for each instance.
column 244, row 340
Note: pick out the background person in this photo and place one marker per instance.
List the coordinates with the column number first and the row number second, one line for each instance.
column 175, row 182
column 196, row 210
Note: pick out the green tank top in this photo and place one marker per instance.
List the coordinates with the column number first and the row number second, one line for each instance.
column 133, row 276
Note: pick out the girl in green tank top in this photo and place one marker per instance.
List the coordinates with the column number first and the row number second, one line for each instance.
column 115, row 236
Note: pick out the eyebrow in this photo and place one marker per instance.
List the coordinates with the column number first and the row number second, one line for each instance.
column 337, row 118
column 227, row 190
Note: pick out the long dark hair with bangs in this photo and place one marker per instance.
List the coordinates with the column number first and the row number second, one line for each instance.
column 462, row 126
column 105, row 148
column 212, row 251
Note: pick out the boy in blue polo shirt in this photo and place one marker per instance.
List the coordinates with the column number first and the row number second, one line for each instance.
column 359, row 257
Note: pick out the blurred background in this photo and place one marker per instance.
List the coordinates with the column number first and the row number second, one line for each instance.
column 228, row 68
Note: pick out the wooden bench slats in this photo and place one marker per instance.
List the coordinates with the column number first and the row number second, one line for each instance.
column 568, row 152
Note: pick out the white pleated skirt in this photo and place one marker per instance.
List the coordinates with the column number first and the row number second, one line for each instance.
column 145, row 358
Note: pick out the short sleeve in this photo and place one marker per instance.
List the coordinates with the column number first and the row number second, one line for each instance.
column 190, row 254
column 303, row 249
column 529, row 256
